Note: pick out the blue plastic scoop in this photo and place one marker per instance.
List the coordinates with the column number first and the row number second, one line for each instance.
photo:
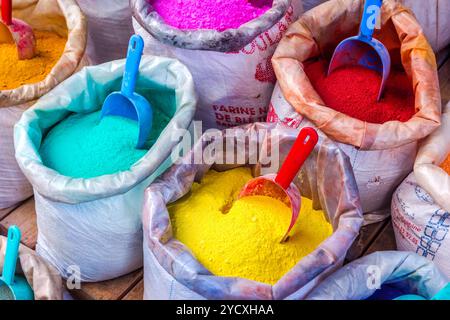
column 13, row 287
column 128, row 103
column 362, row 49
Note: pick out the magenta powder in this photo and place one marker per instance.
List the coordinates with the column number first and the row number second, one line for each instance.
column 209, row 14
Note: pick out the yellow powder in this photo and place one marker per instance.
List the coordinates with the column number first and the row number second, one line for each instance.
column 15, row 72
column 245, row 241
column 446, row 165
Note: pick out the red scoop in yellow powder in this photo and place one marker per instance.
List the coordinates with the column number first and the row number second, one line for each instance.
column 280, row 186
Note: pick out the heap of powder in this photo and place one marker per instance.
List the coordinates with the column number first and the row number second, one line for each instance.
column 446, row 165
column 354, row 91
column 82, row 146
column 209, row 14
column 245, row 242
column 15, row 73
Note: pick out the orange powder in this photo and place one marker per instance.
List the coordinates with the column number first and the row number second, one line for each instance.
column 15, row 73
column 446, row 165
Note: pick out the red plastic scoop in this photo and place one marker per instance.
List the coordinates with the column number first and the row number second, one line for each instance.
column 280, row 186
column 17, row 31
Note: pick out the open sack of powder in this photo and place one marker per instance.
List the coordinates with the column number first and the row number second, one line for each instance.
column 171, row 271
column 42, row 277
column 432, row 16
column 421, row 204
column 64, row 18
column 232, row 71
column 382, row 275
column 381, row 154
column 95, row 223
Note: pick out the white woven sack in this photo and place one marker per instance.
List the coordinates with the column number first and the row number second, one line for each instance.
column 421, row 205
column 420, row 224
column 232, row 70
column 109, row 29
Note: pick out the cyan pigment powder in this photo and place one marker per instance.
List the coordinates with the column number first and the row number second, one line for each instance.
column 82, row 146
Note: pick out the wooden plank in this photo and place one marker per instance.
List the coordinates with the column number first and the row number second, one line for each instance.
column 137, row 293
column 384, row 241
column 366, row 236
column 4, row 212
column 444, row 81
column 25, row 218
column 114, row 289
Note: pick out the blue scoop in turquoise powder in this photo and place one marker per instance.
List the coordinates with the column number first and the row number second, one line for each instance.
column 82, row 146
column 127, row 103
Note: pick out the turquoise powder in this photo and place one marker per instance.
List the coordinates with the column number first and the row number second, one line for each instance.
column 82, row 146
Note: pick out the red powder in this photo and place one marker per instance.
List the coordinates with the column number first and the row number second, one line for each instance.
column 354, row 91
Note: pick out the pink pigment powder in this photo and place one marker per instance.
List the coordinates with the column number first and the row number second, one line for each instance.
column 209, row 14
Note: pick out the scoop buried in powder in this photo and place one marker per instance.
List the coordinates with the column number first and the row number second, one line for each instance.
column 12, row 286
column 280, row 186
column 363, row 49
column 16, row 31
column 127, row 103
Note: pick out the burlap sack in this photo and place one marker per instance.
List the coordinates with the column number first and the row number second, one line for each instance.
column 43, row 278
column 381, row 154
column 233, row 75
column 65, row 18
column 421, row 205
column 172, row 272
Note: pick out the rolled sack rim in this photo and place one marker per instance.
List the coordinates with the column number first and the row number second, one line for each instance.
column 168, row 251
column 74, row 49
column 391, row 266
column 57, row 187
column 229, row 40
column 417, row 57
column 432, row 153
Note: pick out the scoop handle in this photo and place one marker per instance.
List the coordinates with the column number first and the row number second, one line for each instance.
column 12, row 251
column 135, row 49
column 302, row 148
column 7, row 12
column 369, row 18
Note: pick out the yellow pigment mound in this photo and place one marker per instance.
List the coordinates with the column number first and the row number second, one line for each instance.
column 15, row 72
column 245, row 241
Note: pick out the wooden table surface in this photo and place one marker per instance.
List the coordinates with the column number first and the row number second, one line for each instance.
column 374, row 237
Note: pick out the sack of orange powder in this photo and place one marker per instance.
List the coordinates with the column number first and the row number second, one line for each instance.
column 170, row 269
column 64, row 18
column 421, row 205
column 382, row 155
